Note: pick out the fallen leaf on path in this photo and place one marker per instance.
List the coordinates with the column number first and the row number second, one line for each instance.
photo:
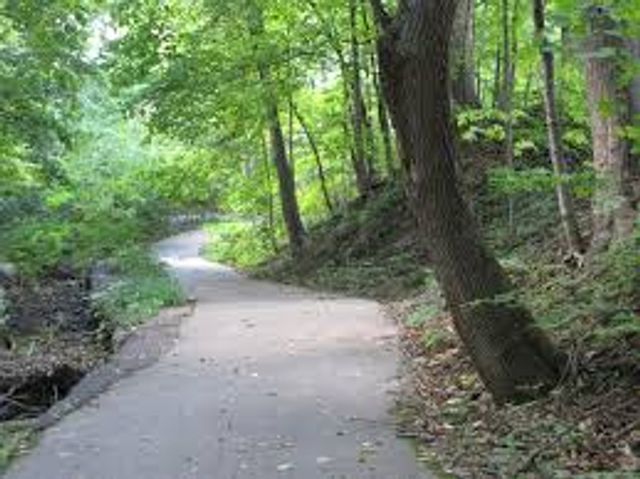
column 285, row 467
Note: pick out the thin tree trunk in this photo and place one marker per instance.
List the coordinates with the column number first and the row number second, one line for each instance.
column 565, row 200
column 346, row 176
column 290, row 209
column 383, row 119
column 316, row 156
column 497, row 75
column 527, row 90
column 270, row 209
column 352, row 94
column 292, row 159
column 511, row 51
column 614, row 205
column 633, row 46
column 286, row 181
column 506, row 55
column 359, row 113
column 463, row 85
column 370, row 99
column 514, row 359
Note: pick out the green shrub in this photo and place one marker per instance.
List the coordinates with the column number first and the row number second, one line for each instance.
column 15, row 438
column 239, row 243
column 36, row 244
column 507, row 181
column 142, row 289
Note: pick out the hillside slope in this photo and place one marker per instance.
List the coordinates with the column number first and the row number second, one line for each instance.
column 590, row 422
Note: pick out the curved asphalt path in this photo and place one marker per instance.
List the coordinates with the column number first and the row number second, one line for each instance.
column 266, row 382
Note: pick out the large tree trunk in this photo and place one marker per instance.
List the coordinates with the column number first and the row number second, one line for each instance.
column 514, row 359
column 565, row 199
column 614, row 205
column 463, row 84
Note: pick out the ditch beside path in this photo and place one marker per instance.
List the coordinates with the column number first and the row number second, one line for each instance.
column 265, row 382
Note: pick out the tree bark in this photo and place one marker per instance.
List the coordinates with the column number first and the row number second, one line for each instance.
column 565, row 200
column 507, row 59
column 614, row 205
column 316, row 155
column 510, row 47
column 271, row 224
column 633, row 46
column 286, row 182
column 352, row 85
column 514, row 359
column 383, row 120
column 463, row 85
column 358, row 110
column 497, row 75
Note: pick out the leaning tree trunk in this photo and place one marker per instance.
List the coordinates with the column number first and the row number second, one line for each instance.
column 565, row 199
column 286, row 182
column 614, row 206
column 514, row 359
column 463, row 84
column 271, row 223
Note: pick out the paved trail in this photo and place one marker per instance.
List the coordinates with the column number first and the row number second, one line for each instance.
column 266, row 382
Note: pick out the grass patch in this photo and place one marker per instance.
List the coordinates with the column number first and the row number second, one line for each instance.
column 142, row 288
column 16, row 437
column 386, row 276
column 238, row 243
column 595, row 306
column 588, row 423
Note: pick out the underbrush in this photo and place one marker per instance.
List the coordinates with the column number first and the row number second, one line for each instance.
column 591, row 421
column 366, row 249
column 45, row 361
column 238, row 243
column 16, row 437
column 362, row 266
column 139, row 287
column 589, row 426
